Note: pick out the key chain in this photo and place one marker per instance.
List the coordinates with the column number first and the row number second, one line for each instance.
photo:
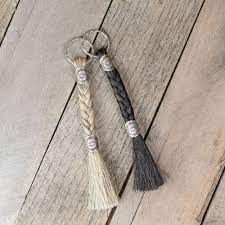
column 101, row 191
column 146, row 174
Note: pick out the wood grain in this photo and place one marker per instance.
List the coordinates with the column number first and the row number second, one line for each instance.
column 146, row 62
column 35, row 82
column 215, row 213
column 188, row 133
column 7, row 9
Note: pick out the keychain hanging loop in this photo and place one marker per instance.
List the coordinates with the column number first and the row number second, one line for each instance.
column 85, row 40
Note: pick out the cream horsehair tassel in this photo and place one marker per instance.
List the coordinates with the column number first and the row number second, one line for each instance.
column 101, row 191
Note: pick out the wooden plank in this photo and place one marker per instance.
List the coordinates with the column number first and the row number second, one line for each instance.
column 7, row 9
column 146, row 63
column 188, row 133
column 35, row 82
column 215, row 214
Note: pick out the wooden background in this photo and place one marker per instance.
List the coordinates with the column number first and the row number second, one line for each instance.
column 171, row 57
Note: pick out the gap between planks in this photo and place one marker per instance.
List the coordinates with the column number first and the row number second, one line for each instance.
column 215, row 211
column 7, row 11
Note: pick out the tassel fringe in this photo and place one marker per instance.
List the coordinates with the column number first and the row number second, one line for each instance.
column 101, row 191
column 146, row 174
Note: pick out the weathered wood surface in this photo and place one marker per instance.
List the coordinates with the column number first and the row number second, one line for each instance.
column 35, row 82
column 147, row 40
column 188, row 134
column 7, row 9
column 215, row 214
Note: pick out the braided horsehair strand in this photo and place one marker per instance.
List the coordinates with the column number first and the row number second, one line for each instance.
column 101, row 191
column 146, row 174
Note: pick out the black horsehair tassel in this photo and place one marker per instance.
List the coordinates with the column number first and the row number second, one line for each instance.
column 146, row 174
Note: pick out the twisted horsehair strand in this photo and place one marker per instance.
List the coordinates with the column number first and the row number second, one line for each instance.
column 147, row 176
column 101, row 191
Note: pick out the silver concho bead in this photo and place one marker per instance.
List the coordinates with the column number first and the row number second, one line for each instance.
column 81, row 75
column 106, row 63
column 91, row 142
column 132, row 128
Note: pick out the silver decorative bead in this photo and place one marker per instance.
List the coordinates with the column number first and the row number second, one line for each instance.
column 81, row 75
column 91, row 142
column 106, row 63
column 132, row 128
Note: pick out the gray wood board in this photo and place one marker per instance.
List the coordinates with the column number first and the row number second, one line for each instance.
column 188, row 134
column 35, row 82
column 147, row 40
